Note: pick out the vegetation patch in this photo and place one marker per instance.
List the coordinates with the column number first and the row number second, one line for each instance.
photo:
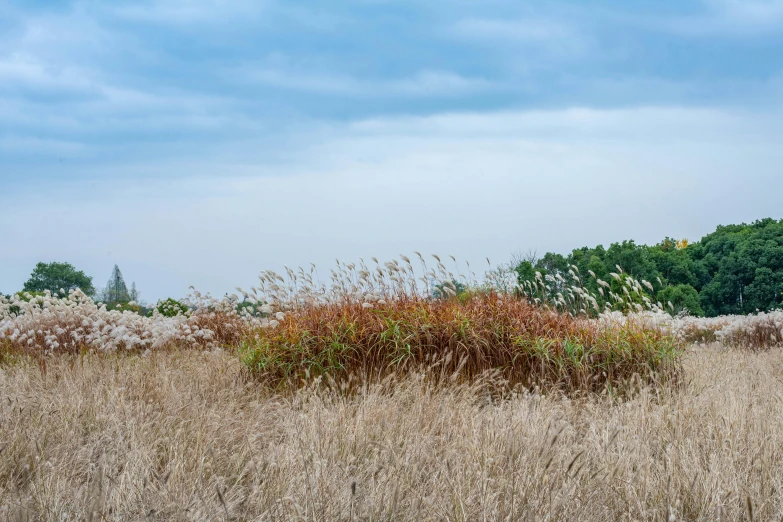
column 461, row 339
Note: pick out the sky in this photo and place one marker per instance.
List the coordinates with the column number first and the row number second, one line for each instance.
column 200, row 142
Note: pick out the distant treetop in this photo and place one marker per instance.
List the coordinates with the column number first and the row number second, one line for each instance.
column 738, row 269
column 58, row 276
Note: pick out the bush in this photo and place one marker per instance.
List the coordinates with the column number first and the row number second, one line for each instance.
column 759, row 331
column 171, row 308
column 127, row 306
column 53, row 324
column 22, row 297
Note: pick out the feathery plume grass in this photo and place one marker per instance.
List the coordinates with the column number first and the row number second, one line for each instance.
column 382, row 322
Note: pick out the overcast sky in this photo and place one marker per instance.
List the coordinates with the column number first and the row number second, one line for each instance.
column 200, row 142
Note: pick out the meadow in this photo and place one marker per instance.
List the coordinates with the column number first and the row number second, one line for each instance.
column 389, row 392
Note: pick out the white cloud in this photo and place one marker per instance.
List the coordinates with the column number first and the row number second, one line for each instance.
column 18, row 70
column 528, row 43
column 437, row 83
column 734, row 18
column 755, row 12
column 189, row 11
column 525, row 30
column 425, row 83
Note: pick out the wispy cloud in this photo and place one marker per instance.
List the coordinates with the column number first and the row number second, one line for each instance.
column 423, row 84
column 522, row 30
column 527, row 43
column 753, row 12
column 731, row 18
column 179, row 12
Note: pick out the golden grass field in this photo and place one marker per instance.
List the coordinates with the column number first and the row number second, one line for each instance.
column 185, row 435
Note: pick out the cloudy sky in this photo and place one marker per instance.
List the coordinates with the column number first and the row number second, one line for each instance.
column 199, row 142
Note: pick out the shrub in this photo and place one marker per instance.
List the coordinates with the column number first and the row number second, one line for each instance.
column 127, row 306
column 54, row 324
column 171, row 308
column 755, row 332
column 758, row 331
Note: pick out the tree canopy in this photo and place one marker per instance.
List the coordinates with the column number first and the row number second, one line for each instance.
column 56, row 276
column 737, row 269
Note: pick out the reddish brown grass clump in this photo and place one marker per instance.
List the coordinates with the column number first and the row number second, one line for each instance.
column 462, row 338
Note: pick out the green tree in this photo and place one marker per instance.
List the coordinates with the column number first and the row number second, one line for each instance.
column 116, row 291
column 440, row 290
column 551, row 264
column 740, row 268
column 683, row 298
column 737, row 269
column 134, row 294
column 675, row 265
column 56, row 276
column 526, row 271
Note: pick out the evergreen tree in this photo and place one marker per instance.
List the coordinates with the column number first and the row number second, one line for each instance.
column 134, row 294
column 116, row 291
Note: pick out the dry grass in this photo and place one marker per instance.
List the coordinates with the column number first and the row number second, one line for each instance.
column 181, row 436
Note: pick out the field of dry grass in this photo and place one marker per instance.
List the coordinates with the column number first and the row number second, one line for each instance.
column 185, row 436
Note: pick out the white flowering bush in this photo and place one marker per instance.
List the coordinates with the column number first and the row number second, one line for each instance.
column 74, row 321
column 761, row 330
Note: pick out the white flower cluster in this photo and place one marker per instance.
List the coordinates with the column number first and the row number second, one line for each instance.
column 75, row 321
column 763, row 329
column 229, row 312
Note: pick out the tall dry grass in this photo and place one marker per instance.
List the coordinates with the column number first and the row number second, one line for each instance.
column 181, row 436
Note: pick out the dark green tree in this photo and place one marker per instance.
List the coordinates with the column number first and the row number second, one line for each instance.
column 683, row 298
column 737, row 269
column 526, row 271
column 675, row 265
column 56, row 276
column 439, row 291
column 551, row 264
column 740, row 268
column 115, row 292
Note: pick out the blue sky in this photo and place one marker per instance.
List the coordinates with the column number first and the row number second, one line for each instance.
column 199, row 142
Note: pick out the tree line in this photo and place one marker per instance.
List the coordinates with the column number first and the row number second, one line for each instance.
column 737, row 269
column 64, row 277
